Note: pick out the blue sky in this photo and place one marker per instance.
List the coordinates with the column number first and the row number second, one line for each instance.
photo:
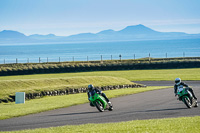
column 68, row 17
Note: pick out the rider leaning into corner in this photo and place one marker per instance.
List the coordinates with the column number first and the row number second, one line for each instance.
column 92, row 90
column 178, row 83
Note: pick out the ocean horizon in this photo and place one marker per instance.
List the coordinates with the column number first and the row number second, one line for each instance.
column 88, row 51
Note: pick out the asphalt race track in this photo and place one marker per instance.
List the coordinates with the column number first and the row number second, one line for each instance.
column 146, row 105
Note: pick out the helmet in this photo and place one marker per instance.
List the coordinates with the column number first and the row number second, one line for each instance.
column 90, row 87
column 177, row 81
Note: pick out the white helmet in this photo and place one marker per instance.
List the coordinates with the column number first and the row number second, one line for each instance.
column 177, row 81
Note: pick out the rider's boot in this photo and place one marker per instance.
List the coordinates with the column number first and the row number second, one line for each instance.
column 196, row 105
column 110, row 104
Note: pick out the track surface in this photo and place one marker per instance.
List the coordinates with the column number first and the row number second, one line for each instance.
column 146, row 105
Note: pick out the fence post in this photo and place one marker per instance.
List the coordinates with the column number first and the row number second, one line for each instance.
column 101, row 57
column 166, row 55
column 28, row 60
column 47, row 59
column 183, row 55
column 149, row 58
column 39, row 59
column 134, row 56
column 59, row 59
column 73, row 59
column 16, row 61
column 120, row 57
column 4, row 61
column 87, row 59
column 111, row 57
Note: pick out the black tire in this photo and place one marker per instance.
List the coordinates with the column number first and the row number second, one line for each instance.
column 187, row 102
column 99, row 106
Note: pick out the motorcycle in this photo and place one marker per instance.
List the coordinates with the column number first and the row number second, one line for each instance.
column 100, row 102
column 186, row 96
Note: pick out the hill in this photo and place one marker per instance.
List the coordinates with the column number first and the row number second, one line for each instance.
column 9, row 36
column 130, row 33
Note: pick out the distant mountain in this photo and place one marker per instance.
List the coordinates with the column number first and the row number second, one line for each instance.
column 138, row 29
column 107, row 32
column 130, row 33
column 43, row 37
column 135, row 32
column 83, row 36
column 11, row 34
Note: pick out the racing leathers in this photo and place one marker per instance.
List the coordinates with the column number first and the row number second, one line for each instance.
column 182, row 84
column 95, row 90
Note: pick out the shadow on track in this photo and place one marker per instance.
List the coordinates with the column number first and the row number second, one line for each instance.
column 165, row 109
column 75, row 113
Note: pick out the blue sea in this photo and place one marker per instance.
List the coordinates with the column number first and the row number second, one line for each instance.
column 55, row 52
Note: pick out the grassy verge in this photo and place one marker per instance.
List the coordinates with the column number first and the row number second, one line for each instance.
column 132, row 75
column 169, row 125
column 9, row 87
column 9, row 110
column 33, row 83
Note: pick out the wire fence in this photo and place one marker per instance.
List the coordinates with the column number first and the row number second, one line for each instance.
column 83, row 58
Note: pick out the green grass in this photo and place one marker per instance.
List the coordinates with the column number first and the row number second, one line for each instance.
column 9, row 110
column 9, row 87
column 31, row 83
column 132, row 75
column 168, row 125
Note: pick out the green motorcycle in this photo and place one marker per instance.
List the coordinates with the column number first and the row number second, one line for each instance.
column 100, row 102
column 187, row 98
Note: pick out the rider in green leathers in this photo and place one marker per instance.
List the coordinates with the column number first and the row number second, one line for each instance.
column 92, row 91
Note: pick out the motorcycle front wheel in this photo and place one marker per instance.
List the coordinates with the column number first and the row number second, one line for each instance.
column 187, row 102
column 99, row 106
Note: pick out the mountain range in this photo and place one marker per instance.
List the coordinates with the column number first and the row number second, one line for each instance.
column 130, row 33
